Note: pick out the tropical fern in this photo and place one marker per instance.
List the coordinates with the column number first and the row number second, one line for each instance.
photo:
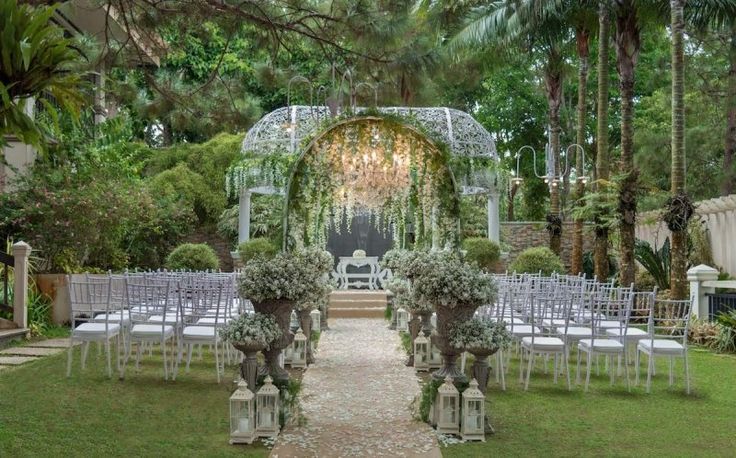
column 656, row 262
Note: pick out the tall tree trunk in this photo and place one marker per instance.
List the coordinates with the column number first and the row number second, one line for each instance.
column 600, row 254
column 627, row 53
column 582, row 36
column 678, row 259
column 553, row 86
column 729, row 178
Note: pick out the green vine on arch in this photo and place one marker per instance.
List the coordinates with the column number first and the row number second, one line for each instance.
column 379, row 166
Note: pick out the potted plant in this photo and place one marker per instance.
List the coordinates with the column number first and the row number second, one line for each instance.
column 251, row 333
column 482, row 339
column 455, row 288
column 275, row 286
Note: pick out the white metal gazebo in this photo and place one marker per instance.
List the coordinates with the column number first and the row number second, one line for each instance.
column 282, row 131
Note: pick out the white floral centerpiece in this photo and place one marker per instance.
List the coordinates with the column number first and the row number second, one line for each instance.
column 455, row 288
column 476, row 334
column 251, row 333
column 275, row 286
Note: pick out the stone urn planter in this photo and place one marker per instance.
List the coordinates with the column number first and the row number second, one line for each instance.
column 280, row 310
column 480, row 366
column 305, row 322
column 249, row 366
column 446, row 317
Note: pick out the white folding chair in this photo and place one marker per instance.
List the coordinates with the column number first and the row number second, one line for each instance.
column 668, row 326
column 88, row 299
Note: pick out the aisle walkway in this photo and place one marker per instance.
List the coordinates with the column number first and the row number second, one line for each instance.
column 356, row 398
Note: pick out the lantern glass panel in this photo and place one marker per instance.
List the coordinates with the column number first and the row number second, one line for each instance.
column 448, row 410
column 474, row 417
column 267, row 412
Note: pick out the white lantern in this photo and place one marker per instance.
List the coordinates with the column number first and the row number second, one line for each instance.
column 288, row 353
column 421, row 352
column 448, row 408
column 316, row 317
column 402, row 319
column 474, row 413
column 267, row 409
column 435, row 356
column 299, row 350
column 433, row 320
column 242, row 415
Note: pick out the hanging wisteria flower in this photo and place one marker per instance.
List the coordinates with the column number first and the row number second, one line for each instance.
column 476, row 333
column 252, row 329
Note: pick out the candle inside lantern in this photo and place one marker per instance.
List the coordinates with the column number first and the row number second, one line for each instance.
column 243, row 425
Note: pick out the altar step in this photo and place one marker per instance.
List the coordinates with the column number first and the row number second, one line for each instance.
column 357, row 304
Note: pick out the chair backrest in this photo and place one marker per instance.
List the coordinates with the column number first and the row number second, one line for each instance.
column 88, row 298
column 669, row 319
column 207, row 300
column 615, row 311
column 148, row 296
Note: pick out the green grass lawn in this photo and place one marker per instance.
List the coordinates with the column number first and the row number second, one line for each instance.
column 608, row 421
column 43, row 413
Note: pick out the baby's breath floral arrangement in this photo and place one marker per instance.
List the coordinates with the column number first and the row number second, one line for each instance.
column 287, row 276
column 252, row 329
column 444, row 279
column 476, row 333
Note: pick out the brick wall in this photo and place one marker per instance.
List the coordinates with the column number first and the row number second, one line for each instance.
column 221, row 246
column 518, row 236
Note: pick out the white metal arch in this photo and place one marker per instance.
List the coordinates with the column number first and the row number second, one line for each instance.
column 283, row 129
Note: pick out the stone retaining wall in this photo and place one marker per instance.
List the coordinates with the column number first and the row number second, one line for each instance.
column 517, row 236
column 218, row 243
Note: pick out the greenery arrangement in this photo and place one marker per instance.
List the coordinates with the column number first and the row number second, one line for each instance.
column 477, row 333
column 445, row 279
column 481, row 251
column 257, row 248
column 194, row 257
column 655, row 261
column 538, row 259
column 254, row 329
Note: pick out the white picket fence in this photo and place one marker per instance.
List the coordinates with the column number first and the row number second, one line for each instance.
column 719, row 216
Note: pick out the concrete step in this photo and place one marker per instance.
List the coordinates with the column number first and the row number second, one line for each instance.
column 357, row 303
column 363, row 312
column 358, row 295
column 8, row 335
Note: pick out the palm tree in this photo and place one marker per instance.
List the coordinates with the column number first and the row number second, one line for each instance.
column 628, row 43
column 536, row 25
column 600, row 258
column 678, row 256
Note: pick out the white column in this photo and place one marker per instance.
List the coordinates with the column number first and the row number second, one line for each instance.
column 244, row 217
column 493, row 220
column 696, row 276
column 21, row 253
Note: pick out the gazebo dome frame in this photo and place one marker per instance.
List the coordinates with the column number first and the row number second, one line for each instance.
column 283, row 130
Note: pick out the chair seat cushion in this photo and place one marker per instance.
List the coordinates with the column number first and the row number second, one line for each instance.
column 604, row 324
column 170, row 319
column 210, row 320
column 630, row 332
column 546, row 343
column 199, row 332
column 524, row 330
column 601, row 345
column 115, row 317
column 151, row 330
column 662, row 346
column 96, row 329
column 554, row 322
column 575, row 331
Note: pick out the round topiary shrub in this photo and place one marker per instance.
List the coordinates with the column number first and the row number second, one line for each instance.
column 481, row 251
column 257, row 248
column 533, row 260
column 192, row 256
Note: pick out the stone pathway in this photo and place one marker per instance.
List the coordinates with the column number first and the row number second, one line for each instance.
column 15, row 356
column 356, row 398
